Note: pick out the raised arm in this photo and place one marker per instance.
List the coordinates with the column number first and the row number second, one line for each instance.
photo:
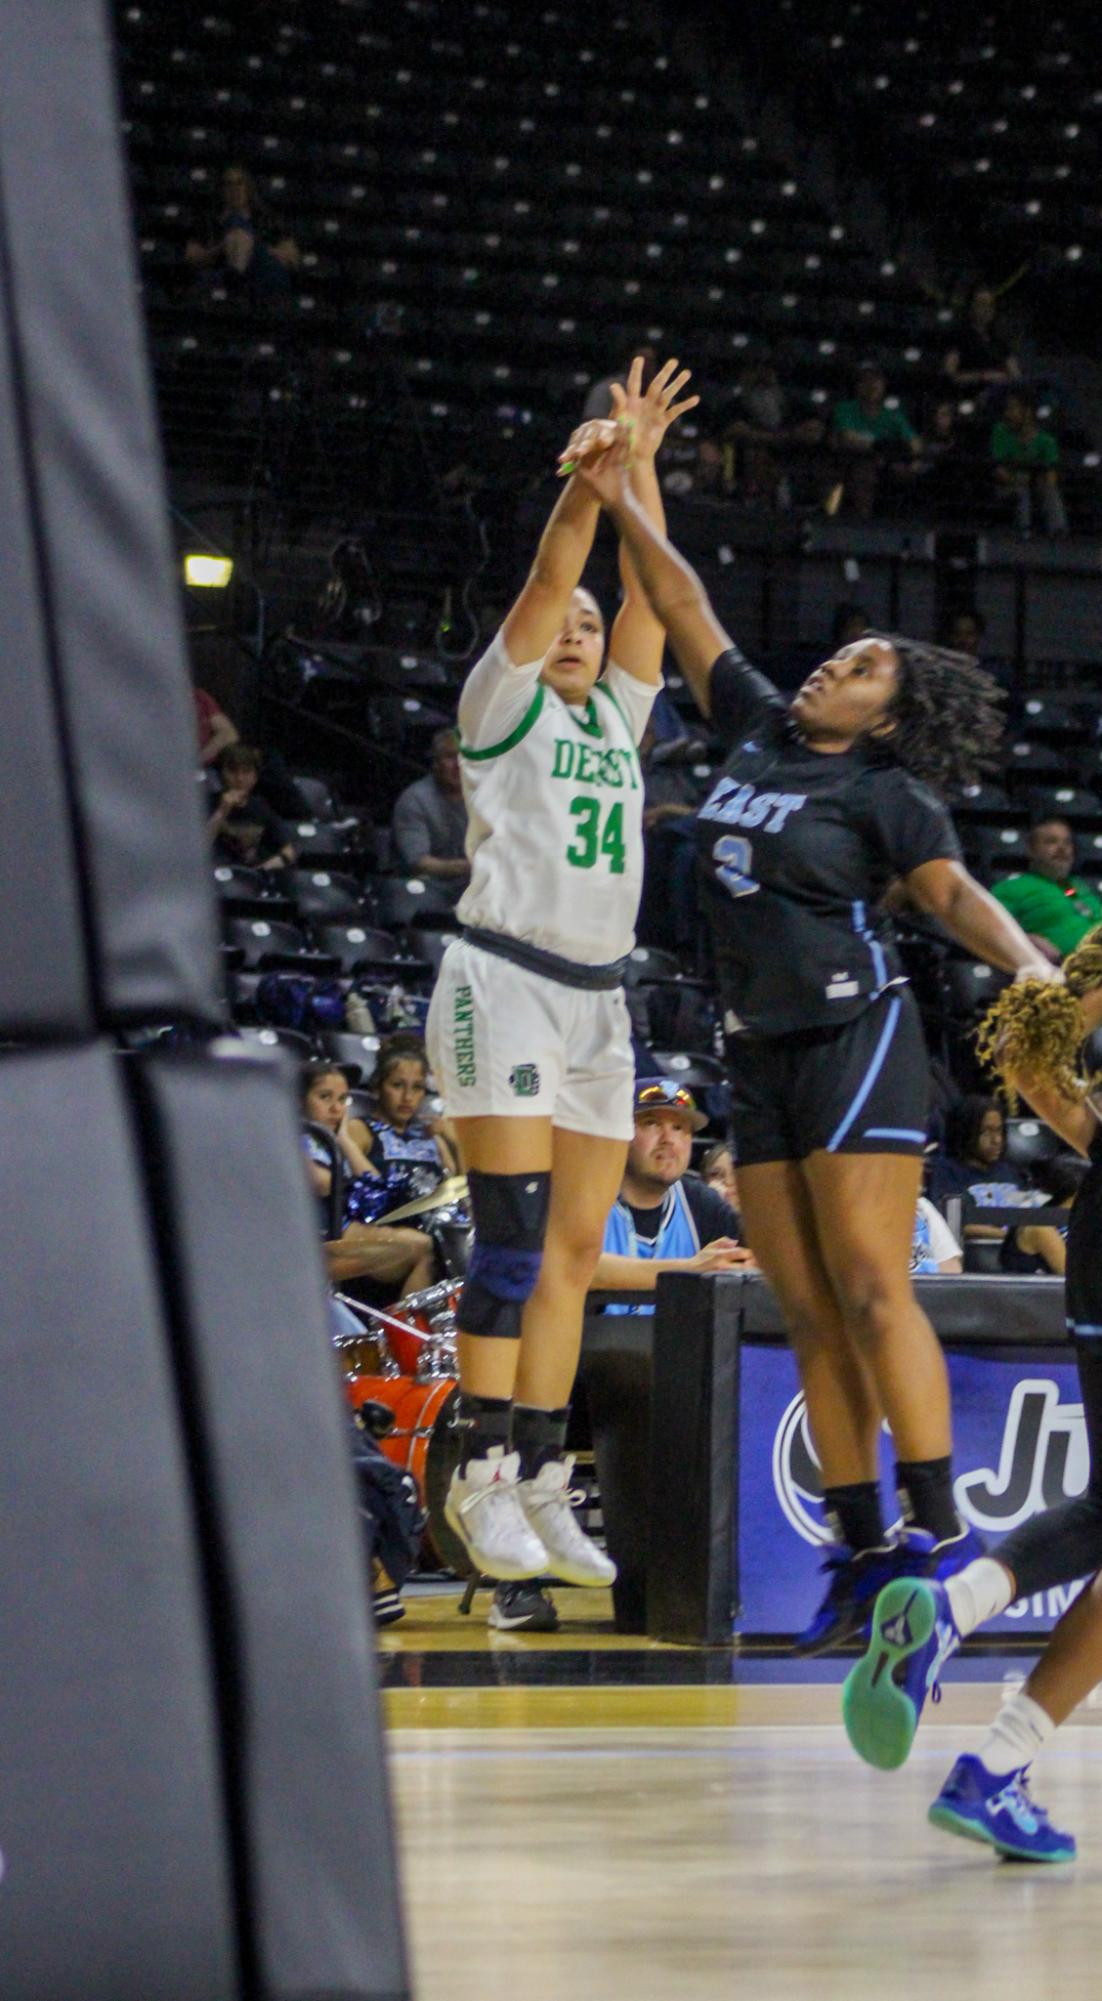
column 677, row 596
column 971, row 915
column 537, row 616
column 638, row 638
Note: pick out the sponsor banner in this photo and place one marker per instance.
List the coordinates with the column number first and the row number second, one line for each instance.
column 1020, row 1446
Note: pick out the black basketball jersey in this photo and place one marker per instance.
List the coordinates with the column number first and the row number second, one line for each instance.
column 1083, row 1281
column 797, row 847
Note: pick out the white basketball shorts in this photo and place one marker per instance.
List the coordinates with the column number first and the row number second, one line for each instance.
column 509, row 1043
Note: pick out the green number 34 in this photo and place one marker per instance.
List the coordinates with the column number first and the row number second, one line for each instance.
column 591, row 840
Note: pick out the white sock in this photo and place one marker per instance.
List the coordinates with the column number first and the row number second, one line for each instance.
column 978, row 1593
column 1016, row 1736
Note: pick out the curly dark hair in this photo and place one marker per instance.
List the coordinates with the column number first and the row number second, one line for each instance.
column 947, row 714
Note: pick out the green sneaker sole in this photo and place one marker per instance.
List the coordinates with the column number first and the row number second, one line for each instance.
column 880, row 1718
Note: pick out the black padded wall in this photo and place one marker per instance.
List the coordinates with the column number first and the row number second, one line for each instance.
column 309, row 1785
column 116, row 1866
column 90, row 495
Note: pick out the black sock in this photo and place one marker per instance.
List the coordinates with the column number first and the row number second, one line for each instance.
column 925, row 1489
column 483, row 1423
column 539, row 1436
column 855, row 1515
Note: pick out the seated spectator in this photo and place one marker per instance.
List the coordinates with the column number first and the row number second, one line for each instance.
column 1026, row 460
column 718, row 1171
column 762, row 432
column 665, row 1219
column 1055, row 906
column 428, row 830
column 245, row 242
column 981, row 356
column 243, row 827
column 972, row 1166
column 215, row 730
column 933, row 1246
column 401, row 1260
column 1039, row 1248
column 948, row 464
column 409, row 1153
column 873, row 437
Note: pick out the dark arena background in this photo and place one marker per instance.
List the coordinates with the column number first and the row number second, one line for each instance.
column 300, row 301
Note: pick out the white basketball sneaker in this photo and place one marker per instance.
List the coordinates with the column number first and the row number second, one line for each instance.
column 549, row 1503
column 483, row 1508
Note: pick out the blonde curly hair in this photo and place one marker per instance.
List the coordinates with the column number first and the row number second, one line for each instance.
column 1037, row 1026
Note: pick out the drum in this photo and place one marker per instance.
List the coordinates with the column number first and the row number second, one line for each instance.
column 364, row 1354
column 423, row 1442
column 428, row 1347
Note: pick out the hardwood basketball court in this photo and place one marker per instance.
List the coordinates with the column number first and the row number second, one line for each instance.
column 587, row 1816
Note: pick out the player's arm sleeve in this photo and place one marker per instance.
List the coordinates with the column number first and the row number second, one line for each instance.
column 635, row 697
column 914, row 826
column 742, row 699
column 496, row 697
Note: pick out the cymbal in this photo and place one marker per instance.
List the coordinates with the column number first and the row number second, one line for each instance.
column 443, row 1196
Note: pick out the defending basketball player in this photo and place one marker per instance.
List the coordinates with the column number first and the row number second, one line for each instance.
column 1032, row 1038
column 819, row 808
column 528, row 1029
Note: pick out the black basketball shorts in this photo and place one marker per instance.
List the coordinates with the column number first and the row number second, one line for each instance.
column 862, row 1087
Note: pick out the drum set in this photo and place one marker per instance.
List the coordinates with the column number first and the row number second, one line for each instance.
column 400, row 1371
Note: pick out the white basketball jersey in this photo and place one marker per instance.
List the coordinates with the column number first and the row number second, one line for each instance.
column 555, row 831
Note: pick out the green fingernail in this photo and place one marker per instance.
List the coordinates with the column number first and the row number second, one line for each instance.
column 569, row 466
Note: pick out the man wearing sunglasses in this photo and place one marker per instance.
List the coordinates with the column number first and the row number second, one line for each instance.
column 665, row 1219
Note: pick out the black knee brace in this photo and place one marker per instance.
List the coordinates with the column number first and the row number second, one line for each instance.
column 509, row 1212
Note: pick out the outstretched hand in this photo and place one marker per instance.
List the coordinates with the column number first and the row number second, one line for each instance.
column 652, row 413
column 607, row 473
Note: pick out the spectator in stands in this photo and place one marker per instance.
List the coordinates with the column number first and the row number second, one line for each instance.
column 972, row 1166
column 245, row 242
column 874, row 438
column 1052, row 904
column 1038, row 1248
column 947, row 466
column 665, row 1219
column 410, row 1153
column 429, row 828
column 981, row 357
column 933, row 1247
column 966, row 631
column 399, row 1259
column 243, row 827
column 1026, row 461
column 215, row 730
column 761, row 435
column 718, row 1169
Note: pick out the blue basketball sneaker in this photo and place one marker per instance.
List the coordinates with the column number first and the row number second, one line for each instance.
column 992, row 1807
column 913, row 1635
column 856, row 1578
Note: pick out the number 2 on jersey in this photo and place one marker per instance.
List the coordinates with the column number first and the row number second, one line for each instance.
column 591, row 840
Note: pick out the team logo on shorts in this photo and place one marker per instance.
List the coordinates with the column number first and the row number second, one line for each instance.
column 525, row 1080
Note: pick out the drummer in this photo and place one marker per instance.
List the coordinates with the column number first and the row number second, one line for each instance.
column 410, row 1153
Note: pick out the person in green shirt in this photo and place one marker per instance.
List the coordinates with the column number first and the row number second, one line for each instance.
column 1055, row 907
column 872, row 436
column 1026, row 458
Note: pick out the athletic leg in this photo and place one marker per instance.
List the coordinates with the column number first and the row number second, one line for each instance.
column 864, row 1206
column 843, row 1414
column 508, row 1162
column 585, row 1180
column 842, row 1407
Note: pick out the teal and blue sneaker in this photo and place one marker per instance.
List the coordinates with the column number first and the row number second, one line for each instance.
column 992, row 1807
column 913, row 1635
